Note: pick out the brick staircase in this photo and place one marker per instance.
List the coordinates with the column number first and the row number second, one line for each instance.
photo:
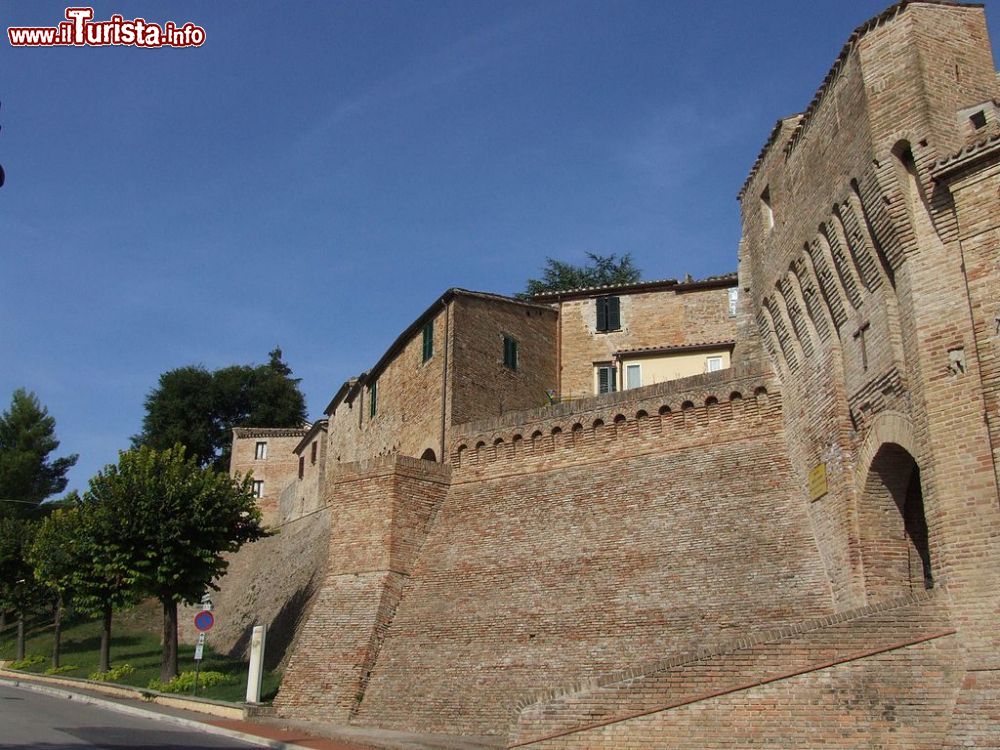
column 844, row 680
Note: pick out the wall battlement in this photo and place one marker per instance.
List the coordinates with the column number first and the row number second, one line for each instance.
column 652, row 413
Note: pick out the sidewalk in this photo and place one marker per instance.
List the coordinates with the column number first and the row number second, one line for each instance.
column 267, row 732
column 246, row 731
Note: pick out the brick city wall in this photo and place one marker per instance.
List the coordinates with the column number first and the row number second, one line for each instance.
column 271, row 582
column 882, row 676
column 977, row 205
column 657, row 318
column 380, row 515
column 595, row 549
column 559, row 544
column 850, row 252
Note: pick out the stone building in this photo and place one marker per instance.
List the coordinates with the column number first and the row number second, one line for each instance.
column 797, row 551
column 269, row 454
column 631, row 335
column 475, row 355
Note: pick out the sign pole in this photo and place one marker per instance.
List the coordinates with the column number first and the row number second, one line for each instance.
column 203, row 621
column 198, row 652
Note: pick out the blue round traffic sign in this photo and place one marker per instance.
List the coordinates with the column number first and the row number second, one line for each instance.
column 204, row 621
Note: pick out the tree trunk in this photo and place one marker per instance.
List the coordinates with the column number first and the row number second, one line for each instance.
column 57, row 632
column 20, row 637
column 168, row 665
column 105, row 664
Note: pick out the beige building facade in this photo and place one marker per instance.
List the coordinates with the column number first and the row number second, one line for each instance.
column 600, row 328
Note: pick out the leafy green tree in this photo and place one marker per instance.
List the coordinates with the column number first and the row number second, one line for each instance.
column 56, row 558
column 177, row 521
column 601, row 270
column 27, row 439
column 19, row 593
column 199, row 409
column 106, row 577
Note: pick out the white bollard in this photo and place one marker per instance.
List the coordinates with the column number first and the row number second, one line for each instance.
column 256, row 674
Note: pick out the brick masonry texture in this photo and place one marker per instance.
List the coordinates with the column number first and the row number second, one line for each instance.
column 658, row 701
column 574, row 558
column 802, row 551
column 271, row 582
column 418, row 401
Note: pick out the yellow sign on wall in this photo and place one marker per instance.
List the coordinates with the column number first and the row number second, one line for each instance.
column 817, row 482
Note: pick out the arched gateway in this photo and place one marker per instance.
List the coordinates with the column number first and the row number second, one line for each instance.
column 894, row 543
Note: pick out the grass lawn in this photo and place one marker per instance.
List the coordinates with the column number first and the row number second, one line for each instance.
column 137, row 646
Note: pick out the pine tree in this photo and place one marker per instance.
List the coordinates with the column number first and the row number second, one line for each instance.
column 27, row 473
column 601, row 270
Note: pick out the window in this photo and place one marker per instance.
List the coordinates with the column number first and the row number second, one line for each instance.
column 258, row 488
column 261, row 452
column 509, row 353
column 313, row 458
column 766, row 210
column 609, row 314
column 607, row 378
column 713, row 364
column 428, row 340
column 302, row 466
column 734, row 300
column 978, row 119
column 373, row 398
column 633, row 376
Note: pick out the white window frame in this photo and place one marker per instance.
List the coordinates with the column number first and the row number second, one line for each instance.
column 258, row 488
column 613, row 369
column 734, row 300
column 260, row 451
column 626, row 384
column 714, row 358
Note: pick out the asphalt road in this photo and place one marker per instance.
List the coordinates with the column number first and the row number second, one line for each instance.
column 41, row 722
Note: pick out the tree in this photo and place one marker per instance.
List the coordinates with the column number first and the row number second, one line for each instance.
column 18, row 589
column 106, row 577
column 198, row 408
column 600, row 271
column 27, row 438
column 177, row 521
column 56, row 559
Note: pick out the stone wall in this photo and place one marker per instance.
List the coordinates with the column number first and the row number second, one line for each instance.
column 559, row 558
column 852, row 256
column 271, row 582
column 380, row 513
column 410, row 405
column 481, row 385
column 859, row 679
column 674, row 316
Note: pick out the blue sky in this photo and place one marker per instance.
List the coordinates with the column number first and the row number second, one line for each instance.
column 318, row 172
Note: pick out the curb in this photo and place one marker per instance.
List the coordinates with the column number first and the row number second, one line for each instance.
column 252, row 739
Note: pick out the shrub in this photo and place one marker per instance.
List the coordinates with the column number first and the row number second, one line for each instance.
column 61, row 670
column 184, row 682
column 28, row 661
column 113, row 675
